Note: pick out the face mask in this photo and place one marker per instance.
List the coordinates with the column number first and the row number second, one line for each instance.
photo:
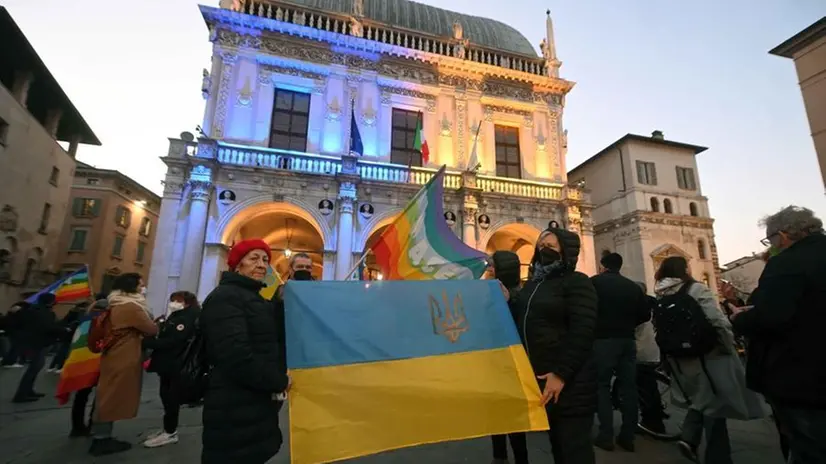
column 548, row 256
column 143, row 291
column 302, row 275
column 175, row 306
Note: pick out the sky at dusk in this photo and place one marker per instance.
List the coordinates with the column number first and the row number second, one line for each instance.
column 699, row 71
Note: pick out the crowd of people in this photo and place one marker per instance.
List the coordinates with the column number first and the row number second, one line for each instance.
column 595, row 344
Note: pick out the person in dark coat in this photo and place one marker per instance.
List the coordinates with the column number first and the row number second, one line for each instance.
column 241, row 334
column 69, row 322
column 622, row 307
column 40, row 329
column 786, row 361
column 505, row 266
column 176, row 329
column 12, row 325
column 557, row 311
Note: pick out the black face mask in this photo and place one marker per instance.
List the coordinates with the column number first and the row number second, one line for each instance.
column 302, row 275
column 548, row 256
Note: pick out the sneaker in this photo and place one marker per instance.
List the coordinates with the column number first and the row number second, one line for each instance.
column 50, row 370
column 106, row 446
column 688, row 451
column 13, row 366
column 161, row 439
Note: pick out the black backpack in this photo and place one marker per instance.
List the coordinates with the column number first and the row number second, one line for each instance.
column 682, row 328
column 195, row 369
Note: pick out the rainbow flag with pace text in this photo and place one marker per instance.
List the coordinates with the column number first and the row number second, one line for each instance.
column 419, row 245
column 384, row 365
column 82, row 367
column 73, row 287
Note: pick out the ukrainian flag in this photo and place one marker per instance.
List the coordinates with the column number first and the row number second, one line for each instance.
column 390, row 364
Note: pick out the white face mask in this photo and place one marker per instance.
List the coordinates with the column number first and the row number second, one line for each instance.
column 143, row 291
column 175, row 306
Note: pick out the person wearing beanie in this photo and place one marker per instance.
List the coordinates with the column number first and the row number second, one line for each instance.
column 505, row 267
column 556, row 315
column 622, row 307
column 242, row 339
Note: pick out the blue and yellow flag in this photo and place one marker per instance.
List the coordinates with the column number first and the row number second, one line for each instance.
column 383, row 365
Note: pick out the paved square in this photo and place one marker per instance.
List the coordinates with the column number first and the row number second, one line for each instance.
column 37, row 433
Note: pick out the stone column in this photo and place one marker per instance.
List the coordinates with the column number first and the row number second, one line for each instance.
column 214, row 261
column 158, row 284
column 344, row 244
column 469, row 226
column 329, row 265
column 470, row 207
column 196, row 234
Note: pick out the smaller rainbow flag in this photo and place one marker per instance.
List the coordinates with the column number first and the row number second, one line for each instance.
column 73, row 287
column 273, row 280
column 82, row 367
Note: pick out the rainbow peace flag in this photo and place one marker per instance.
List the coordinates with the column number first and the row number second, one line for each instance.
column 82, row 367
column 385, row 365
column 73, row 287
column 419, row 245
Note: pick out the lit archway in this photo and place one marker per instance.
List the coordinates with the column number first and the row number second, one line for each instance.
column 288, row 230
column 518, row 238
column 373, row 234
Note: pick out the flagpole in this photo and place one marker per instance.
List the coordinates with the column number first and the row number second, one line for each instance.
column 468, row 168
column 355, row 268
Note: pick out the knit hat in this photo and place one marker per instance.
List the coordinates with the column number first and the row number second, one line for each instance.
column 240, row 249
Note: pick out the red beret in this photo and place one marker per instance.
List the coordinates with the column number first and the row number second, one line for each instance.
column 240, row 249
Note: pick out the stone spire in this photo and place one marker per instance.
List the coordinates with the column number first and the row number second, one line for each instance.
column 549, row 48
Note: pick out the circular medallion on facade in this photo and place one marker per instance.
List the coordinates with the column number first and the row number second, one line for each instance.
column 325, row 206
column 226, row 197
column 553, row 225
column 179, row 328
column 366, row 210
column 483, row 220
column 450, row 218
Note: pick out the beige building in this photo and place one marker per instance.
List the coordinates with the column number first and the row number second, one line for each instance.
column 36, row 173
column 744, row 273
column 648, row 205
column 110, row 225
column 808, row 50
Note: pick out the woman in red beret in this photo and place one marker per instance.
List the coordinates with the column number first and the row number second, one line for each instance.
column 242, row 342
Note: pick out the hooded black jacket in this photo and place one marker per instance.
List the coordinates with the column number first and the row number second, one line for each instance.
column 557, row 318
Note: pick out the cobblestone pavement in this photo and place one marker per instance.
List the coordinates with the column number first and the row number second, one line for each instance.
column 37, row 433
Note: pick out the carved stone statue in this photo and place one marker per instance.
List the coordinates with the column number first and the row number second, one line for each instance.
column 356, row 28
column 358, row 8
column 458, row 31
column 206, row 84
column 460, row 49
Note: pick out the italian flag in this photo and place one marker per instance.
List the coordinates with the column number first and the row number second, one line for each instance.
column 419, row 143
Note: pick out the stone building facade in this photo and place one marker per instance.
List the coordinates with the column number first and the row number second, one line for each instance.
column 109, row 226
column 648, row 205
column 36, row 173
column 288, row 83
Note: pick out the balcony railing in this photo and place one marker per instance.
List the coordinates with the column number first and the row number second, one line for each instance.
column 325, row 165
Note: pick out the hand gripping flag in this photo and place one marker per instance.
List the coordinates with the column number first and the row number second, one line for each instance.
column 384, row 365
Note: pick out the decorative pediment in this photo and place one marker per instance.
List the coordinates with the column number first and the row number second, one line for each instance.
column 664, row 251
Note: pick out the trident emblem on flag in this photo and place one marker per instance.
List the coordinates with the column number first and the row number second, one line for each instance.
column 450, row 322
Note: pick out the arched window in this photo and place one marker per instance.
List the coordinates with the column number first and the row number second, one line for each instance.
column 655, row 204
column 692, row 209
column 701, row 249
column 7, row 251
column 667, row 206
column 31, row 264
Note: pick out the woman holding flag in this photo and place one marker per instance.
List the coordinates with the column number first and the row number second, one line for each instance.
column 557, row 310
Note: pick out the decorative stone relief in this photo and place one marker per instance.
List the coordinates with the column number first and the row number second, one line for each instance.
column 508, row 110
column 431, row 105
column 172, row 188
column 8, row 219
column 334, row 110
column 406, row 92
column 320, row 86
column 495, row 89
column 201, row 173
column 386, row 98
column 406, row 73
column 553, row 131
column 540, row 140
column 459, row 82
column 488, row 113
column 356, row 28
column 461, row 123
column 200, row 190
column 265, row 72
column 446, row 126
column 369, row 114
column 229, row 60
column 245, row 94
column 206, row 84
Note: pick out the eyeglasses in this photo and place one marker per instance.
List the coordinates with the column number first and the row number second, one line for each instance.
column 767, row 242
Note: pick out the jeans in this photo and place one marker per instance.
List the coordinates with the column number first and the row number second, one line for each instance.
column 26, row 386
column 718, row 446
column 169, row 391
column 519, row 446
column 806, row 433
column 617, row 355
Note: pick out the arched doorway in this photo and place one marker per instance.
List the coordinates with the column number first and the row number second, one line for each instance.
column 371, row 270
column 518, row 238
column 287, row 229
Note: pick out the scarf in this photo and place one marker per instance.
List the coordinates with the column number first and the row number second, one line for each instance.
column 118, row 297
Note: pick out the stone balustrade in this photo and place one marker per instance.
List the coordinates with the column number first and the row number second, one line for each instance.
column 326, row 165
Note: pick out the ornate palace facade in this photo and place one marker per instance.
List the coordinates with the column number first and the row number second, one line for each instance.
column 274, row 159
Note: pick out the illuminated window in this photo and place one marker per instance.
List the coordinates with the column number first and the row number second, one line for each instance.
column 146, row 227
column 403, row 138
column 508, row 160
column 123, row 217
column 86, row 207
column 290, row 116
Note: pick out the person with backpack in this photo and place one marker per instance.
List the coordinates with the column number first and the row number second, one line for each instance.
column 697, row 341
column 175, row 332
column 505, row 267
column 118, row 395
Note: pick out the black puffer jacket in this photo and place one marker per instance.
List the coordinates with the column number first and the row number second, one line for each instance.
column 168, row 347
column 557, row 319
column 242, row 342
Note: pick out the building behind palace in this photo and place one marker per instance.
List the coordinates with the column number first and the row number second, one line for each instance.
column 37, row 171
column 110, row 226
column 808, row 50
column 744, row 273
column 648, row 205
column 274, row 158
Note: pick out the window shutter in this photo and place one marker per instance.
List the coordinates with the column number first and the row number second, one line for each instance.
column 680, row 178
column 640, row 172
column 692, row 182
column 77, row 207
column 96, row 207
column 653, row 173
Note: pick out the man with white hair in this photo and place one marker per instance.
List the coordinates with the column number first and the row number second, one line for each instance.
column 784, row 325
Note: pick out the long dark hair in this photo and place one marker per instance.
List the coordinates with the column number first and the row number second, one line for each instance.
column 190, row 300
column 674, row 266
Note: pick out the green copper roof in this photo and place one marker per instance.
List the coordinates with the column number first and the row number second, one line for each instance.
column 432, row 20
